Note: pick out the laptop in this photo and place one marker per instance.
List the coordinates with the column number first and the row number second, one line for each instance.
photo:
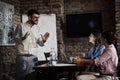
column 67, row 58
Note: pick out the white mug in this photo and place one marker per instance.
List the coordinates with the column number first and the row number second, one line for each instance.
column 71, row 58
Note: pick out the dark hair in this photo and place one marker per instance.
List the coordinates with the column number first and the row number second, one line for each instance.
column 32, row 11
column 97, row 34
column 109, row 36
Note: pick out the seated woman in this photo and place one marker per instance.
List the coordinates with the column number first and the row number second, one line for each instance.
column 97, row 49
column 107, row 62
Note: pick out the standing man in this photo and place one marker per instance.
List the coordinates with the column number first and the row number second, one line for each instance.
column 27, row 39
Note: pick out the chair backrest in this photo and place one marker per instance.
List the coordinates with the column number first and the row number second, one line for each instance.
column 47, row 55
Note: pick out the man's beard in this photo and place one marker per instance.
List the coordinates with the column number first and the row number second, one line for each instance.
column 35, row 23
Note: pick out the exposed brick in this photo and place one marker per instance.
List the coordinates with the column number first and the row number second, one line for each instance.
column 74, row 46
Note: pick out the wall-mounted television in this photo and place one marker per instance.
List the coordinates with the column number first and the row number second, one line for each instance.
column 80, row 25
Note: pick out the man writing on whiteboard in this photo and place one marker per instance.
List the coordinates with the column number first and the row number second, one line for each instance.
column 27, row 38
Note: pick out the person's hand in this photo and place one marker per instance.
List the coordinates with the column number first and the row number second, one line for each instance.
column 77, row 60
column 26, row 35
column 45, row 36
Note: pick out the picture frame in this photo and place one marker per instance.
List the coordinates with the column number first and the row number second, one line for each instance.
column 6, row 24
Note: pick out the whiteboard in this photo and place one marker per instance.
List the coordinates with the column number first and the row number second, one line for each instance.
column 46, row 23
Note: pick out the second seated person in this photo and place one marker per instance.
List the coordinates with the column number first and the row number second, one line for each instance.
column 27, row 38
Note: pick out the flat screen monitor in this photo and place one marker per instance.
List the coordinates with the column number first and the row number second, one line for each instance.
column 80, row 25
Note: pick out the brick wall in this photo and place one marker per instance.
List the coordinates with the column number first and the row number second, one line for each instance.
column 60, row 7
column 106, row 7
column 8, row 53
column 117, row 15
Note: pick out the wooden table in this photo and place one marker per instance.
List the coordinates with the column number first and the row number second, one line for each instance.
column 54, row 70
column 60, row 66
